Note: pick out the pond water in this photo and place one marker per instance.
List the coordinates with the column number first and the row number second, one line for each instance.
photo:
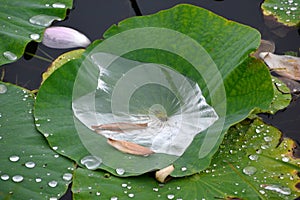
column 93, row 17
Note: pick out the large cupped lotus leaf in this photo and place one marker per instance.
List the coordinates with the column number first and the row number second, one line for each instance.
column 285, row 11
column 208, row 51
column 24, row 21
column 29, row 168
column 252, row 163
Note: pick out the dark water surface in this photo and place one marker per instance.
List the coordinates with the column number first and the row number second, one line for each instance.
column 93, row 17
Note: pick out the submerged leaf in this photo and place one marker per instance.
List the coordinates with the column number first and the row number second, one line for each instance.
column 284, row 65
column 59, row 37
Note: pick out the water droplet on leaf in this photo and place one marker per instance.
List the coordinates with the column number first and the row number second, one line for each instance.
column 17, row 178
column 10, row 56
column 14, row 158
column 43, row 20
column 30, row 164
column 277, row 188
column 4, row 177
column 120, row 171
column 67, row 176
column 171, row 196
column 58, row 5
column 34, row 36
column 91, row 162
column 3, row 89
column 249, row 170
column 52, row 184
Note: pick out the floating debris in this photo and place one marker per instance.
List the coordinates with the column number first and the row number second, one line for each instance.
column 129, row 147
column 163, row 174
column 284, row 65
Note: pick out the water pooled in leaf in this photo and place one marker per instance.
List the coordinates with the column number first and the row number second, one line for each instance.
column 3, row 89
column 30, row 164
column 277, row 188
column 120, row 171
column 58, row 5
column 91, row 162
column 4, row 177
column 67, row 176
column 14, row 158
column 17, row 178
column 10, row 56
column 52, row 183
column 249, row 170
column 43, row 20
column 144, row 103
column 34, row 36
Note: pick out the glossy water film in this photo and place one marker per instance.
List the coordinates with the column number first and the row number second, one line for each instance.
column 143, row 103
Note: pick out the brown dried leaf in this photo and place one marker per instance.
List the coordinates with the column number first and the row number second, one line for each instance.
column 129, row 147
column 119, row 127
column 284, row 65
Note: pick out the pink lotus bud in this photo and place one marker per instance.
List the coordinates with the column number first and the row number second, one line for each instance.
column 63, row 38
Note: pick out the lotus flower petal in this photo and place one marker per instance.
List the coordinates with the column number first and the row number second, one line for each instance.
column 63, row 38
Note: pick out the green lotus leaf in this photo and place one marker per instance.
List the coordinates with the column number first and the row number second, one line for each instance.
column 285, row 11
column 24, row 21
column 252, row 163
column 29, row 168
column 207, row 49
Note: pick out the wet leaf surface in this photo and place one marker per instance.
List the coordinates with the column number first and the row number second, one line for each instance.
column 253, row 162
column 285, row 11
column 22, row 22
column 55, row 97
column 29, row 168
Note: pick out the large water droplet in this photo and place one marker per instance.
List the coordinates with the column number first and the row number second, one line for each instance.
column 17, row 178
column 91, row 162
column 43, row 20
column 30, row 164
column 58, row 5
column 3, row 89
column 10, row 56
column 171, row 196
column 34, row 36
column 67, row 176
column 14, row 158
column 52, row 183
column 5, row 177
column 120, row 171
column 277, row 188
column 249, row 170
